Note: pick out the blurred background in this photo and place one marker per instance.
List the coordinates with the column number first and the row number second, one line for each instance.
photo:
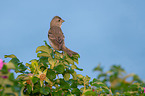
column 105, row 32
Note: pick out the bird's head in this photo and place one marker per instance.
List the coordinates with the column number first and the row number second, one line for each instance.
column 56, row 21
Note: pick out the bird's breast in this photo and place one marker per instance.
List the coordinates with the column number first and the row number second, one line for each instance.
column 53, row 45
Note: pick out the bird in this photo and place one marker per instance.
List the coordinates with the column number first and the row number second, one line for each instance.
column 56, row 36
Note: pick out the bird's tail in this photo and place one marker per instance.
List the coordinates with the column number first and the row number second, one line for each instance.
column 69, row 52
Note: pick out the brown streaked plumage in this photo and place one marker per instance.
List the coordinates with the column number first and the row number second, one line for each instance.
column 56, row 37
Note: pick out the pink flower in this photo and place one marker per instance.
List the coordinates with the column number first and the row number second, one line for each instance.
column 144, row 90
column 1, row 64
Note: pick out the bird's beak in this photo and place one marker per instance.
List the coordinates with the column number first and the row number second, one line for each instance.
column 62, row 21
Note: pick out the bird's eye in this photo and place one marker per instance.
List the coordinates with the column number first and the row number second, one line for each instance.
column 59, row 20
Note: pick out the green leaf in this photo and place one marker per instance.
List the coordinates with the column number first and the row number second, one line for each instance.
column 98, row 68
column 79, row 69
column 43, row 55
column 52, row 62
column 29, row 89
column 127, row 94
column 73, row 66
column 43, row 49
column 66, row 76
column 15, row 60
column 36, row 88
column 46, row 44
column 41, row 83
column 74, row 74
column 44, row 90
column 69, row 60
column 86, row 79
column 63, row 84
column 16, row 87
column 60, row 69
column 51, row 74
column 45, row 71
column 91, row 93
column 96, row 80
column 44, row 61
column 10, row 56
column 4, row 69
column 10, row 65
column 76, row 91
column 48, row 81
column 106, row 91
column 28, row 65
column 80, row 76
column 22, row 68
column 39, row 70
column 76, row 56
column 11, row 76
column 74, row 84
column 70, row 70
column 133, row 86
column 34, row 80
column 57, row 93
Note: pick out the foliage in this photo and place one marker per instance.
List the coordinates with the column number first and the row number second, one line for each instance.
column 54, row 74
column 8, row 85
column 121, row 83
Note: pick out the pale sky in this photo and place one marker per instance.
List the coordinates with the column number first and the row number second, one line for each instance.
column 101, row 31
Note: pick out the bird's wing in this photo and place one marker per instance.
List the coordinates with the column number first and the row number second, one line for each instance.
column 56, row 36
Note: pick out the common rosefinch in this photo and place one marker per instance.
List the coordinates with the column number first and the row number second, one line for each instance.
column 56, row 37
